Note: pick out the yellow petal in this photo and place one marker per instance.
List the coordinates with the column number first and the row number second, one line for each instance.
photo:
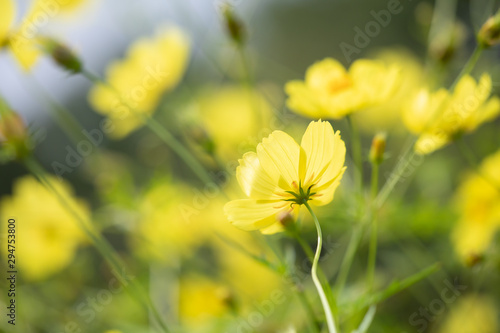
column 321, row 160
column 254, row 180
column 321, row 74
column 279, row 156
column 425, row 109
column 429, row 142
column 485, row 113
column 250, row 214
column 25, row 49
column 7, row 15
column 302, row 100
column 375, row 81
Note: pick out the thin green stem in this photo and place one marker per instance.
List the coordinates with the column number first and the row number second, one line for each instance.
column 163, row 134
column 63, row 117
column 345, row 267
column 469, row 65
column 395, row 177
column 310, row 255
column 324, row 301
column 372, row 254
column 104, row 248
column 310, row 311
column 357, row 154
column 374, row 180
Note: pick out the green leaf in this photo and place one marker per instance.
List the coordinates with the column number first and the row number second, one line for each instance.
column 367, row 320
column 395, row 287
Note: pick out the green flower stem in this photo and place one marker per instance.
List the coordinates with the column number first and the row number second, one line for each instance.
column 345, row 267
column 66, row 121
column 357, row 154
column 310, row 254
column 163, row 134
column 324, row 301
column 104, row 248
column 372, row 254
column 471, row 63
column 395, row 177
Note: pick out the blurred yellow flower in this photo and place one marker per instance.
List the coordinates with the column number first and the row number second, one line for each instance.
column 48, row 235
column 244, row 109
column 472, row 314
column 22, row 40
column 439, row 117
column 478, row 201
column 163, row 233
column 329, row 91
column 151, row 68
column 201, row 299
column 387, row 115
column 282, row 175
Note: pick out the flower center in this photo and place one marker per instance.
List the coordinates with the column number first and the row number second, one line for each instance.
column 301, row 196
column 339, row 84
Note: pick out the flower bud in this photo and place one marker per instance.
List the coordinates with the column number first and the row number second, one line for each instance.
column 446, row 43
column 378, row 148
column 227, row 298
column 233, row 24
column 473, row 259
column 61, row 54
column 287, row 221
column 489, row 34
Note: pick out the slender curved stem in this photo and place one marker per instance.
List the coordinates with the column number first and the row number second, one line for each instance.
column 310, row 255
column 324, row 301
column 469, row 65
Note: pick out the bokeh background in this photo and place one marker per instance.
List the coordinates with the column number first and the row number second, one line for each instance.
column 195, row 271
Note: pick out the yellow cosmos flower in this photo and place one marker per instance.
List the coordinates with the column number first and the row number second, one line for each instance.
column 472, row 314
column 48, row 235
column 163, row 233
column 439, row 117
column 329, row 91
column 478, row 201
column 22, row 40
column 151, row 68
column 282, row 175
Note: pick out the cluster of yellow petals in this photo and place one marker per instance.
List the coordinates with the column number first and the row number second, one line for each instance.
column 478, row 201
column 48, row 234
column 438, row 117
column 281, row 167
column 137, row 82
column 330, row 91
